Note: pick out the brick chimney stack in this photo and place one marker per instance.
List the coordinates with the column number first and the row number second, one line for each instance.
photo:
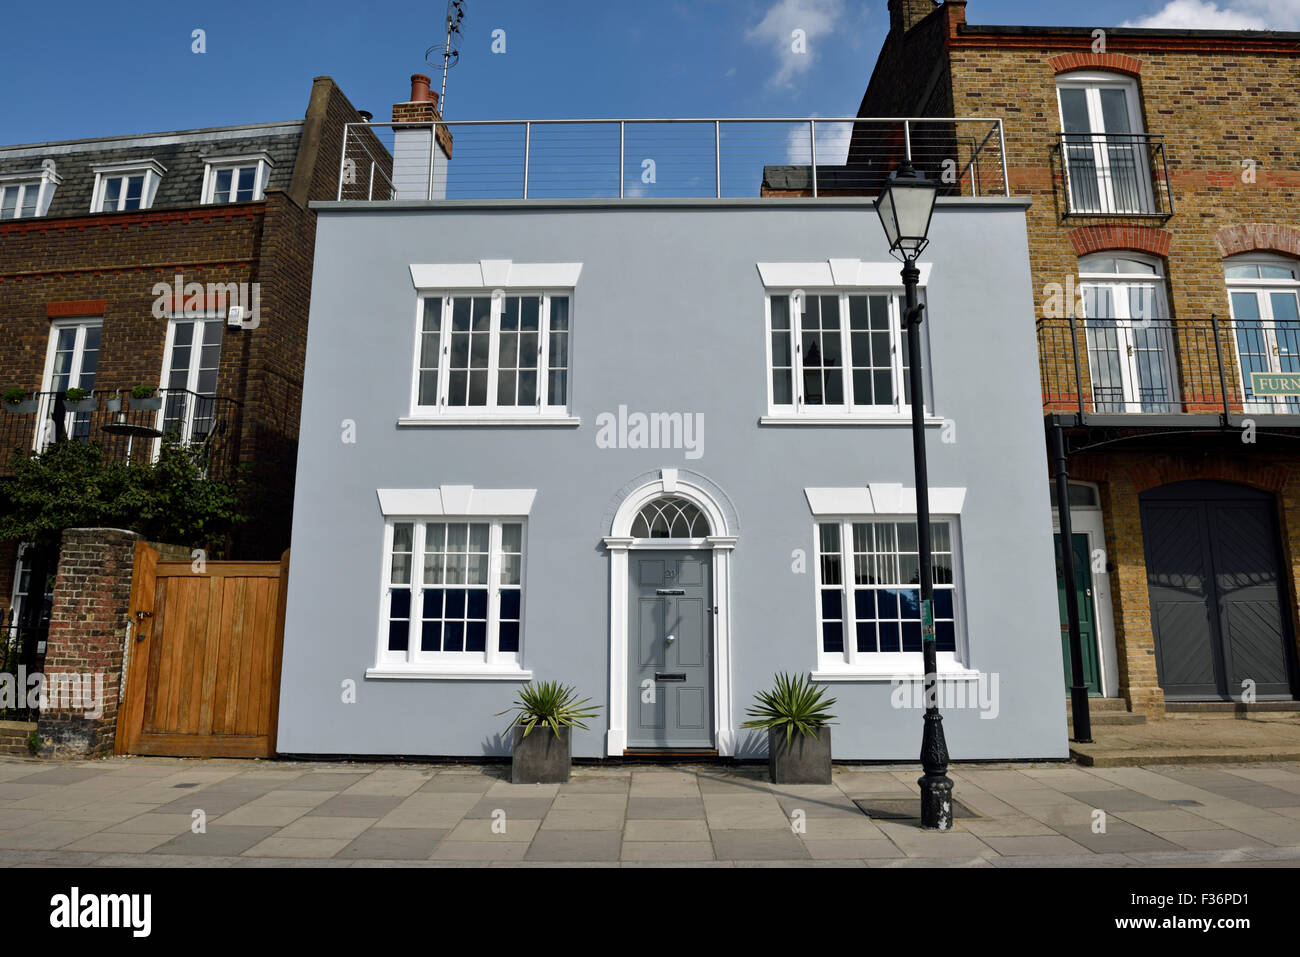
column 905, row 14
column 416, row 175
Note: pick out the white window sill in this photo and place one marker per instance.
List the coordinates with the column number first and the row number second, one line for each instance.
column 945, row 672
column 426, row 421
column 901, row 419
column 450, row 674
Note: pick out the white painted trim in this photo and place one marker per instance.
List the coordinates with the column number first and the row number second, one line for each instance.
column 794, row 418
column 456, row 500
column 494, row 274
column 881, row 498
column 899, row 665
column 153, row 172
column 618, row 543
column 450, row 674
column 1090, row 521
column 450, row 418
column 837, row 274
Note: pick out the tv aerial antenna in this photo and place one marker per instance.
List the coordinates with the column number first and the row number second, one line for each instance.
column 450, row 53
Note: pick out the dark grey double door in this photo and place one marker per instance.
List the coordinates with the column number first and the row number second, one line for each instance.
column 670, row 650
column 1218, row 615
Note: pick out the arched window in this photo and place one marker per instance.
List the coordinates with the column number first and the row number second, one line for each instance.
column 1104, row 147
column 1264, row 295
column 670, row 517
column 1130, row 340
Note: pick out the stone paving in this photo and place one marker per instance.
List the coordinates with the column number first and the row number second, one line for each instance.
column 139, row 812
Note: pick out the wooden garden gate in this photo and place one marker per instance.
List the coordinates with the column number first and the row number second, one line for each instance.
column 203, row 673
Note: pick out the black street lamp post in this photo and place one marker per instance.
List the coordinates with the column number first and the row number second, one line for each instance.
column 905, row 206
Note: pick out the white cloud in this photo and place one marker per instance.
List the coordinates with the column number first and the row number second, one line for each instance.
column 1232, row 15
column 795, row 52
column 832, row 145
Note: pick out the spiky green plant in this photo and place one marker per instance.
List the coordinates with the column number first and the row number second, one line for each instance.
column 795, row 704
column 551, row 704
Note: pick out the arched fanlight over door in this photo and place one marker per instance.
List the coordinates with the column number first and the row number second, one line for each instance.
column 670, row 517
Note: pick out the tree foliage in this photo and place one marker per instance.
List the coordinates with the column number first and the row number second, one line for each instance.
column 71, row 486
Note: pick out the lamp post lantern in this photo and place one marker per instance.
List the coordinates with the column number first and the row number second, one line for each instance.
column 905, row 206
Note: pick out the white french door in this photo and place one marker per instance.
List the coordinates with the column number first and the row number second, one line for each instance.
column 71, row 362
column 1266, row 327
column 1105, row 152
column 1130, row 338
column 191, row 364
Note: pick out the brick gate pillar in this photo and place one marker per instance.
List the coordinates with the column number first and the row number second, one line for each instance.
column 86, row 644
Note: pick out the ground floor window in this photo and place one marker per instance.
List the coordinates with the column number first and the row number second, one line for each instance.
column 868, row 588
column 453, row 592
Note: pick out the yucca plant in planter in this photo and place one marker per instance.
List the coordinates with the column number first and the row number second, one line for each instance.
column 18, row 401
column 798, row 733
column 78, row 400
column 146, row 397
column 545, row 714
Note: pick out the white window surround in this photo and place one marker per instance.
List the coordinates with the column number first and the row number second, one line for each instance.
column 881, row 498
column 838, row 274
column 448, row 501
column 494, row 274
column 152, row 170
column 456, row 501
column 504, row 277
column 821, row 278
column 214, row 163
column 46, row 181
column 618, row 543
column 890, row 499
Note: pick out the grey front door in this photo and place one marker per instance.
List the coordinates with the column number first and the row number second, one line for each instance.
column 670, row 650
column 1214, row 576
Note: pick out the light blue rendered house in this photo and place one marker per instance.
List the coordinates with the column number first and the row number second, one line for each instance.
column 659, row 447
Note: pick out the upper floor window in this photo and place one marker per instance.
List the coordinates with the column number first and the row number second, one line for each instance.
column 125, row 186
column 1264, row 297
column 236, row 179
column 1104, row 146
column 835, row 354
column 71, row 362
column 494, row 354
column 1130, row 340
column 25, row 195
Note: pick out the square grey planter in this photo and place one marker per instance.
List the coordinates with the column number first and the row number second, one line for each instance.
column 540, row 758
column 25, row 407
column 151, row 404
column 80, row 405
column 803, row 761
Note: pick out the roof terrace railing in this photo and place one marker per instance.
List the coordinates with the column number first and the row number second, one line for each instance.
column 667, row 158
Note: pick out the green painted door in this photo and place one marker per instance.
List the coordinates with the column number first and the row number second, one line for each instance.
column 1087, row 620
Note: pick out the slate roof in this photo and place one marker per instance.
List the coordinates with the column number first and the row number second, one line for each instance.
column 181, row 153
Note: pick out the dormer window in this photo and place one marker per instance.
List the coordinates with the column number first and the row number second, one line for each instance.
column 236, row 179
column 125, row 186
column 25, row 195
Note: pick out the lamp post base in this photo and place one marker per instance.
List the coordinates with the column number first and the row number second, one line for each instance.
column 936, row 786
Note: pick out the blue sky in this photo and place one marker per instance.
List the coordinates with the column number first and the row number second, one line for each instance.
column 81, row 69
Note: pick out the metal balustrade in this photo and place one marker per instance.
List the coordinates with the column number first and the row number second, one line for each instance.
column 666, row 158
column 1115, row 174
column 1161, row 367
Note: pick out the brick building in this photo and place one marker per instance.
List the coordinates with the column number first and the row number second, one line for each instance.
column 178, row 261
column 1164, row 243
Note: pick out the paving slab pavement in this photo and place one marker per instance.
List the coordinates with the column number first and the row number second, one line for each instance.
column 126, row 811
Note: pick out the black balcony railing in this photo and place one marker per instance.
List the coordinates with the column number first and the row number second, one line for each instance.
column 1115, row 174
column 210, row 424
column 1160, row 367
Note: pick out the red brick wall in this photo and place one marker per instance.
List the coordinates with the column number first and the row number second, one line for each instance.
column 92, row 594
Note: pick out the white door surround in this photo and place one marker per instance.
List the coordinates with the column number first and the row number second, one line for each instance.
column 1087, row 520
column 721, row 542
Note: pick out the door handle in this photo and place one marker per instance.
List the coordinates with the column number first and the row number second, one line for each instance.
column 670, row 639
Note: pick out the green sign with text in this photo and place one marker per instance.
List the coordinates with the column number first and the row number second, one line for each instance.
column 1275, row 383
column 927, row 621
